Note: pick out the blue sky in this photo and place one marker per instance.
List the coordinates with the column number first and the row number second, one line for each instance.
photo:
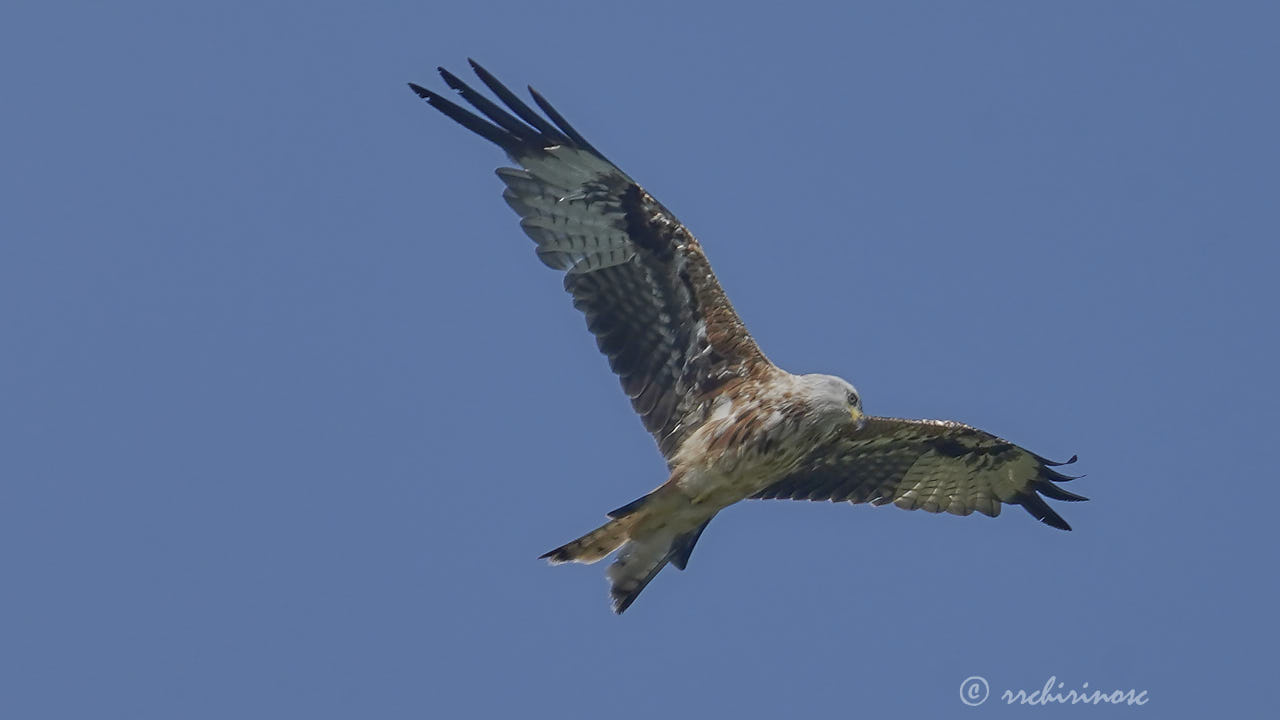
column 288, row 408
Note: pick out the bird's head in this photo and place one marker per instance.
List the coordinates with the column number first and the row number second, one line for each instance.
column 834, row 399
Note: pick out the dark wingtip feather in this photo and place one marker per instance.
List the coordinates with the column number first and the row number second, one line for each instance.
column 1056, row 476
column 1053, row 492
column 1051, row 463
column 563, row 124
column 517, row 133
column 553, row 136
column 1041, row 511
column 449, row 78
column 467, row 119
column 489, row 109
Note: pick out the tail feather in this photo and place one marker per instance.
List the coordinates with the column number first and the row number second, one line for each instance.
column 682, row 548
column 636, row 505
column 593, row 546
column 638, row 562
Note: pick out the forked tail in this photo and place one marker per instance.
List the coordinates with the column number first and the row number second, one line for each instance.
column 646, row 542
column 635, row 565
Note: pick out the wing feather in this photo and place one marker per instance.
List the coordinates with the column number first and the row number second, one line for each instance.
column 930, row 465
column 638, row 275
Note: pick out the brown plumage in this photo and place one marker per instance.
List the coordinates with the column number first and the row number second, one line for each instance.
column 730, row 424
column 916, row 465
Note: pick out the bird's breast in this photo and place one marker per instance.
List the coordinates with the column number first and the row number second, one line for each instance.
column 746, row 445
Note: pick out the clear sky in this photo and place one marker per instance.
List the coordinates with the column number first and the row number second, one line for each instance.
column 288, row 408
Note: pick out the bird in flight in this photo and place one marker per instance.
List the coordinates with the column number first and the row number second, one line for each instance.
column 730, row 424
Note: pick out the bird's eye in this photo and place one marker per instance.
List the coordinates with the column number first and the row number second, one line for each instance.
column 853, row 399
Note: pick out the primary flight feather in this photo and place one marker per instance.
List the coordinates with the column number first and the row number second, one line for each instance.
column 730, row 424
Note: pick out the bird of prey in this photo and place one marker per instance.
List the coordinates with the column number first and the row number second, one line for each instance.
column 730, row 424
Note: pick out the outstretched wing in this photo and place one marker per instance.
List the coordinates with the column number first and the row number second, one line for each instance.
column 638, row 275
column 931, row 465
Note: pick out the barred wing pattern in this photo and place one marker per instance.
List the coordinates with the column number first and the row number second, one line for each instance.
column 639, row 277
column 931, row 465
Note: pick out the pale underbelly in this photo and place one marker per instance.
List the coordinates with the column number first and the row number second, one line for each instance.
column 714, row 490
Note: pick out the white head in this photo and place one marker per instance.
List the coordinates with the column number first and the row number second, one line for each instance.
column 833, row 399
